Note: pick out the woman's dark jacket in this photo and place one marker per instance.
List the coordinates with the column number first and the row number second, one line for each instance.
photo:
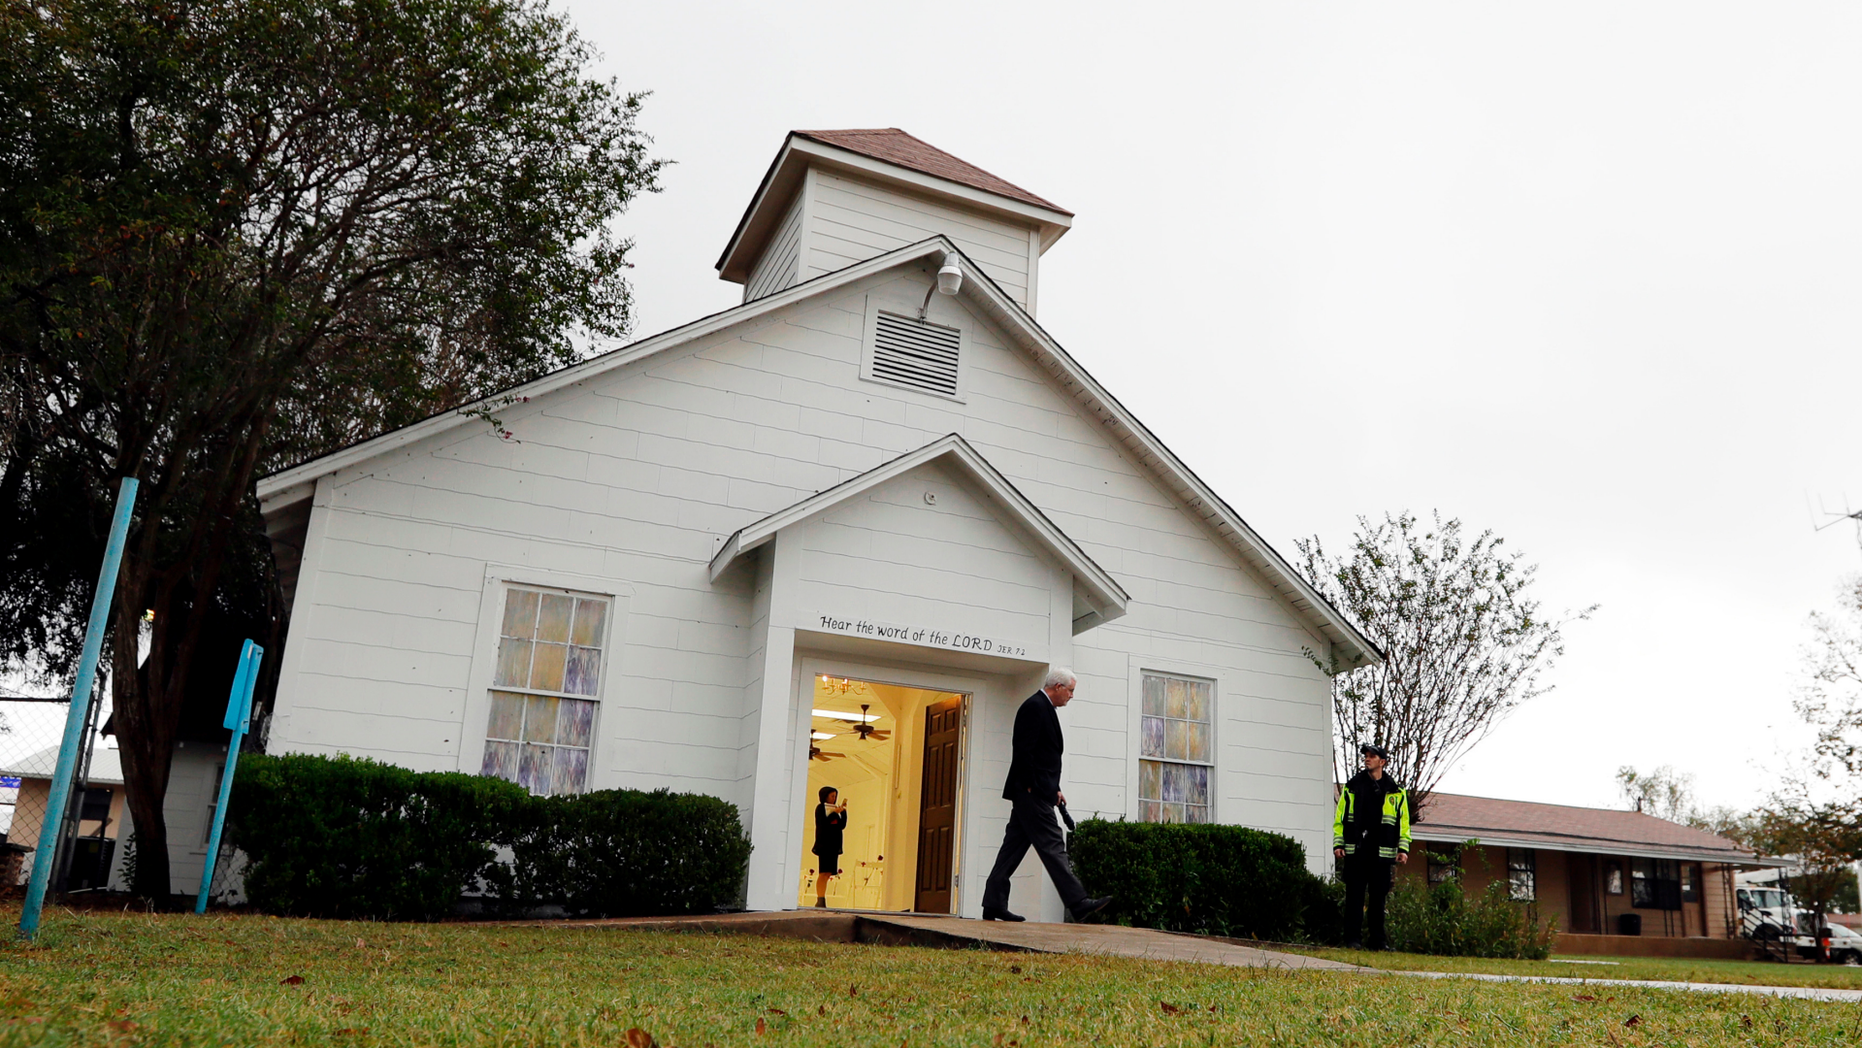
column 828, row 827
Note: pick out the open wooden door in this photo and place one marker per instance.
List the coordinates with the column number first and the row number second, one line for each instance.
column 937, row 805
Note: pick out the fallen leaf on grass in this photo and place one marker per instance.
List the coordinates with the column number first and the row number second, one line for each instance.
column 1170, row 1009
column 291, row 980
column 1024, row 1020
column 1746, row 1021
column 1015, row 969
column 638, row 1038
column 123, row 1026
column 348, row 1031
column 852, row 990
column 777, row 1011
column 760, row 1026
column 823, row 1010
column 1634, row 1020
column 1583, row 997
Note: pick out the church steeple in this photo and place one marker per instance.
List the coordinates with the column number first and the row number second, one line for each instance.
column 834, row 198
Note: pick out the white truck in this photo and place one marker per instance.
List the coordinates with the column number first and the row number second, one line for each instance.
column 1769, row 914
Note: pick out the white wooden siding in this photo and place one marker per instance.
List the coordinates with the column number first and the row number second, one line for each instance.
column 891, row 557
column 638, row 475
column 776, row 269
column 851, row 220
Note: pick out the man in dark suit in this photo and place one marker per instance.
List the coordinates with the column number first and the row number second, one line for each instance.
column 1033, row 787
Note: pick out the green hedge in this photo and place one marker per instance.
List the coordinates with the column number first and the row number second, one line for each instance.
column 1222, row 880
column 339, row 837
column 623, row 853
column 1444, row 919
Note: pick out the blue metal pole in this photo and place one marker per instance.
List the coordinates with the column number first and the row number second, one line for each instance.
column 238, row 719
column 49, row 831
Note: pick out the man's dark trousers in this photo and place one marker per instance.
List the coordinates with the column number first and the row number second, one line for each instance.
column 1362, row 873
column 1032, row 824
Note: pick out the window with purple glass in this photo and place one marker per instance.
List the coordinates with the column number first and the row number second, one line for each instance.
column 544, row 690
column 1175, row 750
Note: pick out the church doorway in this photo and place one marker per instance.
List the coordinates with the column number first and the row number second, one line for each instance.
column 889, row 755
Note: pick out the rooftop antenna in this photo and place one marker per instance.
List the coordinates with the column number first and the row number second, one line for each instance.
column 1833, row 518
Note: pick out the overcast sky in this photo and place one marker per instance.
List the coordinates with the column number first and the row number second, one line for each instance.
column 1585, row 275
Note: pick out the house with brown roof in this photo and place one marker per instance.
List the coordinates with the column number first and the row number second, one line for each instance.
column 1616, row 882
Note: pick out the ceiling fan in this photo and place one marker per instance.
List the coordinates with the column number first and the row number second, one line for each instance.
column 816, row 753
column 865, row 728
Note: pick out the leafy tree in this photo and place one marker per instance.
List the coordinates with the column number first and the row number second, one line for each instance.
column 235, row 234
column 1464, row 642
column 1824, row 838
column 1668, row 794
column 1663, row 793
column 1831, row 699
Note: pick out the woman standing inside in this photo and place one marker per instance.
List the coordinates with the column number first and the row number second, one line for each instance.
column 830, row 820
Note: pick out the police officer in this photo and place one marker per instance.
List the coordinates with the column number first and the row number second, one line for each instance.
column 1370, row 830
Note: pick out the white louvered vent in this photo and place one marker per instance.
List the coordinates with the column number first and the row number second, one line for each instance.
column 916, row 354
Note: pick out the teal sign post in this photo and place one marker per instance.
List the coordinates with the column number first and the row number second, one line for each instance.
column 238, row 720
column 66, row 768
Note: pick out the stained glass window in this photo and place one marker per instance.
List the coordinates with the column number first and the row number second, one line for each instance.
column 544, row 686
column 1176, row 749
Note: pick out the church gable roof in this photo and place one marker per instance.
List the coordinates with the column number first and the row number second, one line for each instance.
column 908, row 151
column 294, row 486
column 887, row 156
column 1105, row 598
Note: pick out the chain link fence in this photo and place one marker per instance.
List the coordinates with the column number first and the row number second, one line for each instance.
column 94, row 841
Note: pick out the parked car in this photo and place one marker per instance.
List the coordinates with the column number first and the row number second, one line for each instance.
column 1845, row 943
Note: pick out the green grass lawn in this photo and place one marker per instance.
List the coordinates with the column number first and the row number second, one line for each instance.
column 117, row 979
column 1678, row 969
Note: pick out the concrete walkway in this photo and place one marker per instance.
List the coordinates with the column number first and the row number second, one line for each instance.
column 1807, row 993
column 917, row 929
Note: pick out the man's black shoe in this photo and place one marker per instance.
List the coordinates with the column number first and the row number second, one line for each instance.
column 1088, row 907
column 991, row 913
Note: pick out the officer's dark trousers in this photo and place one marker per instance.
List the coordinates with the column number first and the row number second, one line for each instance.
column 1366, row 874
column 1032, row 824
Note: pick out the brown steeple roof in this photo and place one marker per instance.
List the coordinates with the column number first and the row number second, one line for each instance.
column 896, row 147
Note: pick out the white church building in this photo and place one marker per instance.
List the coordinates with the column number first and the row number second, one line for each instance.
column 830, row 537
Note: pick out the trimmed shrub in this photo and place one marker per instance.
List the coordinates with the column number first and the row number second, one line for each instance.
column 1322, row 919
column 624, row 853
column 340, row 837
column 1222, row 880
column 1444, row 919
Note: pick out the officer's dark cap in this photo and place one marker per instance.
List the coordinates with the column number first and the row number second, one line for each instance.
column 1370, row 747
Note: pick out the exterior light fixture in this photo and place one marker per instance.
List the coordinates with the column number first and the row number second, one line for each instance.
column 950, row 277
column 949, row 281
